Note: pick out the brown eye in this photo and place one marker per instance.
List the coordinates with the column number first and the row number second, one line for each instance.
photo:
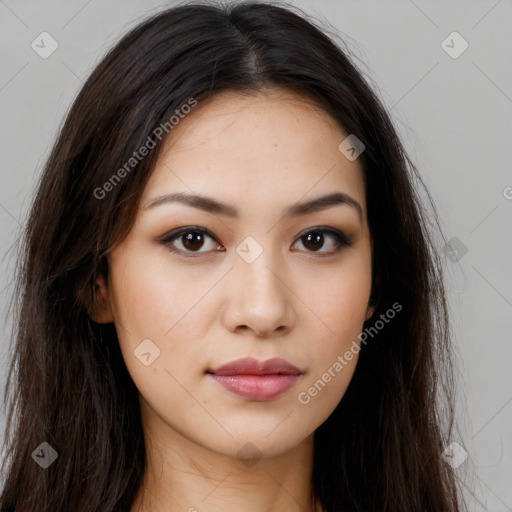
column 315, row 239
column 191, row 240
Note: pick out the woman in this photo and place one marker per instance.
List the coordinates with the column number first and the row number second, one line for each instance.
column 228, row 295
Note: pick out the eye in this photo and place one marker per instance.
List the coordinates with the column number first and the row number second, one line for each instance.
column 191, row 239
column 314, row 240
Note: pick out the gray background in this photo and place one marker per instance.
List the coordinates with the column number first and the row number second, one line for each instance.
column 455, row 117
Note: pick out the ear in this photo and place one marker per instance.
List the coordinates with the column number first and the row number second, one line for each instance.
column 369, row 314
column 101, row 312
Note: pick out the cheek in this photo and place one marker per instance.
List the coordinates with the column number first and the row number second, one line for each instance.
column 157, row 311
column 333, row 355
column 151, row 297
column 338, row 299
column 338, row 304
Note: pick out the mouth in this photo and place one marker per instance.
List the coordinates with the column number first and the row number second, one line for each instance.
column 255, row 380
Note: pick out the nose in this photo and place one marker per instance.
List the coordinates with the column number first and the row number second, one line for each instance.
column 258, row 299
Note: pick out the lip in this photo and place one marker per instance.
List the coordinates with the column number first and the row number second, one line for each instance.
column 257, row 380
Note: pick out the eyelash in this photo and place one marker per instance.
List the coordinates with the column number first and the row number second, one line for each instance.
column 339, row 237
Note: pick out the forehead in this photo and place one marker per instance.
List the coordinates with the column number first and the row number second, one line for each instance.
column 276, row 147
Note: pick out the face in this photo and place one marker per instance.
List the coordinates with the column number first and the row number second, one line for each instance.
column 247, row 274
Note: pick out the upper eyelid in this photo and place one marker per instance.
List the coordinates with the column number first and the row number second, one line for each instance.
column 178, row 232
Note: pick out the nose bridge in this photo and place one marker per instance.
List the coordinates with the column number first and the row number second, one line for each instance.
column 261, row 276
column 258, row 296
column 256, row 268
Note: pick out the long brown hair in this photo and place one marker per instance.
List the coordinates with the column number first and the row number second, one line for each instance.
column 381, row 449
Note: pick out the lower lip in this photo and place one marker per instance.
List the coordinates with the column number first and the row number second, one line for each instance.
column 258, row 388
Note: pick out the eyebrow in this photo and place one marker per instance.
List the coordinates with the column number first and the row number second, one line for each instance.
column 211, row 205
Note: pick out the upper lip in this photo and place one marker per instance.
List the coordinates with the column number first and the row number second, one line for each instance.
column 251, row 366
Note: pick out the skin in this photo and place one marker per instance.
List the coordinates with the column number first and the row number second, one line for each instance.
column 260, row 153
